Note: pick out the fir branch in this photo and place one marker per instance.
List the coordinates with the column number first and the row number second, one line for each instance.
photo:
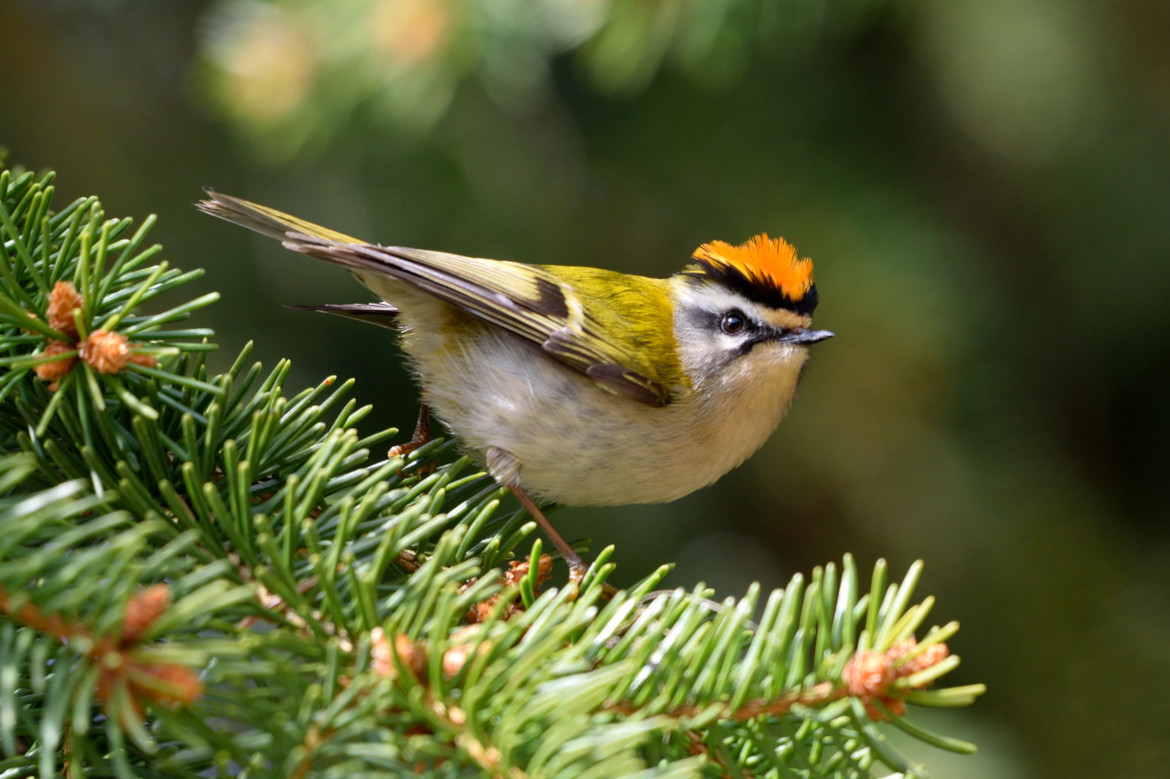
column 203, row 574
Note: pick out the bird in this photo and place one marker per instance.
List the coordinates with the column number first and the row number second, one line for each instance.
column 583, row 386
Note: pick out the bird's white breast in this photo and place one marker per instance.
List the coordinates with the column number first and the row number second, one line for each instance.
column 578, row 444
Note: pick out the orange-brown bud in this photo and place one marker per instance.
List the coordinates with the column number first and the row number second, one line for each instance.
column 932, row 655
column 868, row 673
column 463, row 648
column 106, row 352
column 63, row 301
column 55, row 370
column 518, row 569
column 143, row 609
column 935, row 653
column 410, row 655
column 171, row 685
column 147, row 360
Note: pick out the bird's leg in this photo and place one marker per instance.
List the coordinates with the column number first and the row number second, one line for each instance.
column 506, row 470
column 422, row 434
column 577, row 567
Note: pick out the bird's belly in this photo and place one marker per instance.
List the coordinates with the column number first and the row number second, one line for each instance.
column 579, row 445
column 573, row 442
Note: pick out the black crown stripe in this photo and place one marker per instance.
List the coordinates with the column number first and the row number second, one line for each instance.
column 758, row 291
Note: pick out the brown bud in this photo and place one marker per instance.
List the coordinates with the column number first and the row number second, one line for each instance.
column 410, row 655
column 144, row 607
column 55, row 370
column 106, row 352
column 147, row 360
column 868, row 673
column 63, row 301
column 463, row 647
column 929, row 656
column 169, row 684
column 518, row 569
column 932, row 655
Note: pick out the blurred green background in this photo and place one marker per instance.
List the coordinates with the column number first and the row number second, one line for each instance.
column 984, row 186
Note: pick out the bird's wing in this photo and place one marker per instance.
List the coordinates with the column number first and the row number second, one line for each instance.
column 529, row 301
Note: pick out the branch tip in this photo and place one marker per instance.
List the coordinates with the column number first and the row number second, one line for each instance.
column 868, row 674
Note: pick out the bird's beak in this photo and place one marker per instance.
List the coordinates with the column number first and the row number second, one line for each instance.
column 804, row 337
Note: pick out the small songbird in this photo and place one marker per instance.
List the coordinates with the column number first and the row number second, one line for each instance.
column 580, row 385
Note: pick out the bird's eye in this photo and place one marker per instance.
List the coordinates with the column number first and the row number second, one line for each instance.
column 733, row 322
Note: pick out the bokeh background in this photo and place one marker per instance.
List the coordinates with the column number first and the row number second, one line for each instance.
column 984, row 186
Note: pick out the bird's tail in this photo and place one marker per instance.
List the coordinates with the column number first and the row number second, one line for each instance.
column 381, row 314
column 265, row 220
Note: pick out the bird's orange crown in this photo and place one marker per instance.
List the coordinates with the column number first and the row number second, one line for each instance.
column 762, row 268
